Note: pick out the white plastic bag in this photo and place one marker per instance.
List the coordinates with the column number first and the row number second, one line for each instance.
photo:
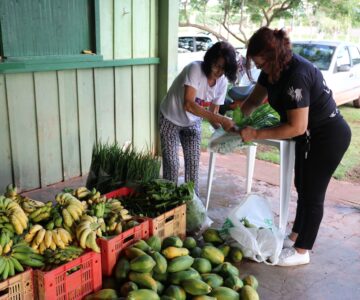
column 264, row 241
column 225, row 142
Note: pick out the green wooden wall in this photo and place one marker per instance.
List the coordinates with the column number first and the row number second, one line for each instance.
column 50, row 120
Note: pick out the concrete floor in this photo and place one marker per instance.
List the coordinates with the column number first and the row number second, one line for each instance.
column 334, row 271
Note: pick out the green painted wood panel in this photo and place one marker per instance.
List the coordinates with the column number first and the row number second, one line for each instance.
column 141, row 107
column 153, row 107
column 123, row 29
column 5, row 150
column 104, row 103
column 141, row 28
column 69, row 123
column 123, row 105
column 86, row 99
column 23, row 131
column 29, row 27
column 154, row 23
column 48, row 125
column 107, row 28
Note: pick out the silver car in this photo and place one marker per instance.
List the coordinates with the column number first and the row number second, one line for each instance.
column 339, row 63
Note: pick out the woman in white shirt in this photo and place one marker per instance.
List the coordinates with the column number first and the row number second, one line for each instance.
column 196, row 93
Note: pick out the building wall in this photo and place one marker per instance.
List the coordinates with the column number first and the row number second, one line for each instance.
column 50, row 120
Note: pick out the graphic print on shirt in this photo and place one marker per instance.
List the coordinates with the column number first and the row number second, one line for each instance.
column 202, row 102
column 326, row 89
column 295, row 94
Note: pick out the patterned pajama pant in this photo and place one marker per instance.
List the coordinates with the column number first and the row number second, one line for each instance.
column 190, row 139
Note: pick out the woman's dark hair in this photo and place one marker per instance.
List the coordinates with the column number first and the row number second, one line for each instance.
column 274, row 47
column 227, row 52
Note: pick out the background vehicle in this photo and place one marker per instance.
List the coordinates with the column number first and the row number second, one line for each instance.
column 339, row 63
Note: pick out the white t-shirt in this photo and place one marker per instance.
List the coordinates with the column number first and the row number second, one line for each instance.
column 172, row 106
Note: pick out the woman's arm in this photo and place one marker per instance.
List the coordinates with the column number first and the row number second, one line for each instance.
column 191, row 106
column 256, row 97
column 296, row 125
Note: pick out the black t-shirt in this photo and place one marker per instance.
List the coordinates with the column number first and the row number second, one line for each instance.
column 300, row 85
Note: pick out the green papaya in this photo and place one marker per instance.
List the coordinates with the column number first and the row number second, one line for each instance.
column 133, row 252
column 236, row 254
column 214, row 280
column 108, row 294
column 180, row 263
column 224, row 293
column 196, row 287
column 160, row 277
column 172, row 252
column 161, row 262
column 143, row 294
column 143, row 280
column 121, row 269
column 202, row 265
column 233, row 282
column 225, row 249
column 177, row 277
column 173, row 241
column 165, row 297
column 196, row 252
column 227, row 269
column 251, row 280
column 249, row 293
column 154, row 242
column 211, row 235
column 130, row 224
column 128, row 287
column 189, row 243
column 144, row 264
column 142, row 245
column 160, row 287
column 203, row 297
column 176, row 292
column 214, row 255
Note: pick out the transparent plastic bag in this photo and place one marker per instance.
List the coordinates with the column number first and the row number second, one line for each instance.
column 225, row 142
column 260, row 240
column 197, row 219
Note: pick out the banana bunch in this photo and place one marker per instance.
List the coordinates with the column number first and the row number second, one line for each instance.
column 97, row 210
column 42, row 213
column 30, row 205
column 60, row 256
column 87, row 231
column 13, row 212
column 81, row 193
column 41, row 239
column 6, row 242
column 114, row 207
column 56, row 219
column 11, row 192
column 113, row 225
column 93, row 196
column 72, row 208
column 14, row 260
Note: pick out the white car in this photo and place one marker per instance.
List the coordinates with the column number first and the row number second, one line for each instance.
column 339, row 63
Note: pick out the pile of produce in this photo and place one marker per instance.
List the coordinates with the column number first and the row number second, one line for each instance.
column 179, row 269
column 113, row 166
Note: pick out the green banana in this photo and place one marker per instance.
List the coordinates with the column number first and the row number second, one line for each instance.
column 11, row 267
column 5, row 273
column 17, row 265
column 2, row 264
column 33, row 263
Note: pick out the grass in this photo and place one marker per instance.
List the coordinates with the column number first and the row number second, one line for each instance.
column 349, row 168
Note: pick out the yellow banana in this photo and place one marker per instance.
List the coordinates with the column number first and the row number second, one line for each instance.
column 57, row 239
column 35, row 228
column 7, row 247
column 53, row 245
column 48, row 238
column 23, row 219
column 73, row 211
column 68, row 220
column 17, row 224
column 42, row 247
column 82, row 226
column 39, row 237
column 91, row 242
column 64, row 235
column 84, row 235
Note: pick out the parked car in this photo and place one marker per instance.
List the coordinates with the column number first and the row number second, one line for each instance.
column 192, row 47
column 339, row 63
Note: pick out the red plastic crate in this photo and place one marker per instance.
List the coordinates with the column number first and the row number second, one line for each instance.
column 124, row 191
column 172, row 222
column 57, row 284
column 111, row 248
column 20, row 286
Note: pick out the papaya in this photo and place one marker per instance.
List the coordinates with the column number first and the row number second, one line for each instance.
column 127, row 287
column 214, row 280
column 176, row 292
column 180, row 263
column 172, row 252
column 225, row 249
column 160, row 287
column 233, row 282
column 143, row 280
column 173, row 241
column 224, row 293
column 196, row 287
column 161, row 262
column 251, row 280
column 189, row 243
column 160, row 277
column 154, row 242
column 108, row 294
column 203, row 297
column 228, row 269
column 144, row 264
column 202, row 265
column 211, row 235
column 236, row 254
column 142, row 245
column 214, row 255
column 133, row 252
column 249, row 293
column 196, row 252
column 130, row 224
column 165, row 297
column 177, row 277
column 121, row 270
column 143, row 294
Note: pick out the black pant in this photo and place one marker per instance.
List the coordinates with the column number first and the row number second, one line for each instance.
column 328, row 144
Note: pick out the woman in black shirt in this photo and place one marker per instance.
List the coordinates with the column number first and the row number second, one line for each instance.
column 298, row 92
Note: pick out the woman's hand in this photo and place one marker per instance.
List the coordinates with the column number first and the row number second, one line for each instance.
column 227, row 123
column 248, row 134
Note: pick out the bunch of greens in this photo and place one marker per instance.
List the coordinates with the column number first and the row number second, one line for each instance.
column 113, row 166
column 263, row 116
column 155, row 197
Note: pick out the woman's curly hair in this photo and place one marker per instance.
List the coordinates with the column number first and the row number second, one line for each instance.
column 274, row 47
column 228, row 53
